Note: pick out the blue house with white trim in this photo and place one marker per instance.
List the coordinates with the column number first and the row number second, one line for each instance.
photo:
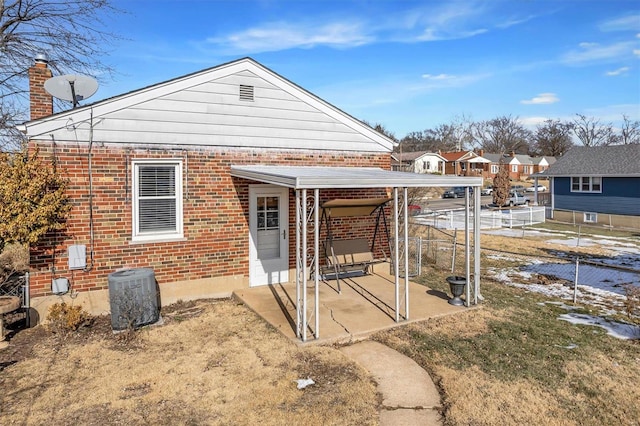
column 597, row 185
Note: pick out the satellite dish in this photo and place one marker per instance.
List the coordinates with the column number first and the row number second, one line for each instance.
column 70, row 87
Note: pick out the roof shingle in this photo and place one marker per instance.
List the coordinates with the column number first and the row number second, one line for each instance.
column 617, row 160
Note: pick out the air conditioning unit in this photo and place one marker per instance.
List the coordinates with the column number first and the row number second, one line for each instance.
column 134, row 298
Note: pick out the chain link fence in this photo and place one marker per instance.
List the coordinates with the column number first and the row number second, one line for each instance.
column 608, row 282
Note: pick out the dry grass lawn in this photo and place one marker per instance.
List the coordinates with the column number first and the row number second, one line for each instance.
column 213, row 362
column 512, row 362
column 488, row 376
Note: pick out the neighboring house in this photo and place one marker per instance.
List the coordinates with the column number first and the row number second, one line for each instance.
column 464, row 163
column 540, row 164
column 419, row 162
column 520, row 166
column 199, row 178
column 597, row 185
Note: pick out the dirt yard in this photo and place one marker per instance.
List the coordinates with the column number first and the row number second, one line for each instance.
column 212, row 362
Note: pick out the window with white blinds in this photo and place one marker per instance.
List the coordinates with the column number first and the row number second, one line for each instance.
column 157, row 200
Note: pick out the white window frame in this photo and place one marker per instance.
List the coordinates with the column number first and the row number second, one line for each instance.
column 590, row 217
column 586, row 184
column 176, row 234
column 514, row 168
column 495, row 168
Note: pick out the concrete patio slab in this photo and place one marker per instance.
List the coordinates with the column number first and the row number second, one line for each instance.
column 365, row 305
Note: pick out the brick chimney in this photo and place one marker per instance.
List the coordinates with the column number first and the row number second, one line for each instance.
column 513, row 153
column 41, row 103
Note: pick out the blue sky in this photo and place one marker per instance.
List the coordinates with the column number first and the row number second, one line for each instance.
column 409, row 65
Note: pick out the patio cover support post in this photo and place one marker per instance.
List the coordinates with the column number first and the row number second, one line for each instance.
column 406, row 253
column 467, row 248
column 396, row 262
column 304, row 265
column 476, row 247
column 316, row 250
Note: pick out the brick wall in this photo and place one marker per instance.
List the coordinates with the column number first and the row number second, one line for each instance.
column 215, row 208
column 41, row 103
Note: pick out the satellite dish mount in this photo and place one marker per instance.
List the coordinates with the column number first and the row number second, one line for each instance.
column 72, row 88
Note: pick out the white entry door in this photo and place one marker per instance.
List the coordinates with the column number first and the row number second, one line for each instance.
column 268, row 235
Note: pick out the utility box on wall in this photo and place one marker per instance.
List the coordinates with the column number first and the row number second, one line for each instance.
column 60, row 286
column 133, row 297
column 77, row 256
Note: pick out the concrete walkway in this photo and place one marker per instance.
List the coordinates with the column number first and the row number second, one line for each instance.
column 409, row 396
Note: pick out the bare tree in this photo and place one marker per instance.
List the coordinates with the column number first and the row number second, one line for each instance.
column 420, row 141
column 592, row 132
column 72, row 33
column 380, row 128
column 452, row 136
column 630, row 132
column 553, row 137
column 501, row 185
column 502, row 134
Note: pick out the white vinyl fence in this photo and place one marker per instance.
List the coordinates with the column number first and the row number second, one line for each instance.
column 489, row 219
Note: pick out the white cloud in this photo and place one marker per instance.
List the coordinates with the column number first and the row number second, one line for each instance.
column 433, row 34
column 625, row 23
column 434, row 21
column 438, row 77
column 282, row 35
column 613, row 113
column 515, row 21
column 365, row 94
column 590, row 52
column 532, row 122
column 542, row 98
column 636, row 52
column 619, row 71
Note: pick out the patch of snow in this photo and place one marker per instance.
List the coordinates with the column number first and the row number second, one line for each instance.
column 609, row 302
column 597, row 279
column 569, row 346
column 560, row 305
column 574, row 242
column 501, row 257
column 616, row 329
column 303, row 383
column 510, row 232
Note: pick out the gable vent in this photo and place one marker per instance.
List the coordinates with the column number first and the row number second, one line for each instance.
column 246, row 92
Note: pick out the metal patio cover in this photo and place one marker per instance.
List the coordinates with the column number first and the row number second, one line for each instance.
column 312, row 177
column 303, row 178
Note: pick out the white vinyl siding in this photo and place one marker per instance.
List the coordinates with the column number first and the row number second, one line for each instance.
column 157, row 200
column 209, row 110
column 586, row 184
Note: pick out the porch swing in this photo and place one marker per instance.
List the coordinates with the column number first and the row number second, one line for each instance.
column 352, row 256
